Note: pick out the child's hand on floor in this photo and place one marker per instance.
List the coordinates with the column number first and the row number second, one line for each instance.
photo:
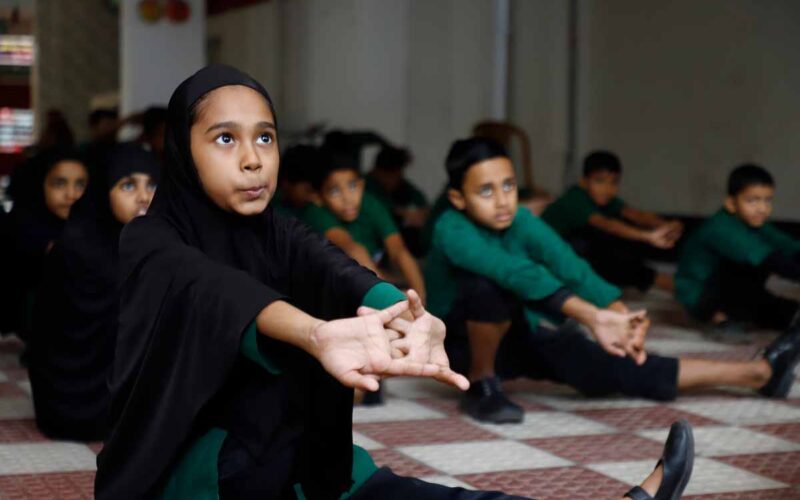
column 421, row 340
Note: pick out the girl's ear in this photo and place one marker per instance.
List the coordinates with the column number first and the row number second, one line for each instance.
column 582, row 182
column 456, row 197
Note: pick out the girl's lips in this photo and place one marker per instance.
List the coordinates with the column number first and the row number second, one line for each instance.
column 503, row 217
column 254, row 193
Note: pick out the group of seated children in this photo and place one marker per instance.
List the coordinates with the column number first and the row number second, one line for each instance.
column 495, row 272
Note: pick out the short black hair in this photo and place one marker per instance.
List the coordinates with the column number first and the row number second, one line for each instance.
column 332, row 160
column 152, row 118
column 601, row 161
column 748, row 175
column 392, row 158
column 465, row 153
column 298, row 163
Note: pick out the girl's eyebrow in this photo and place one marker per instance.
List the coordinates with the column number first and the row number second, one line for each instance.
column 235, row 126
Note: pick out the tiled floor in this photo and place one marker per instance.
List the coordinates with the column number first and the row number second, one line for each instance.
column 568, row 447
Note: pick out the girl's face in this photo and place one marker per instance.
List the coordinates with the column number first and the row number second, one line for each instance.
column 342, row 193
column 64, row 184
column 235, row 149
column 131, row 196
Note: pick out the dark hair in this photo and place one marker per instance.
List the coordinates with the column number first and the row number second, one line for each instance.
column 298, row 163
column 392, row 158
column 601, row 161
column 333, row 160
column 465, row 153
column 748, row 175
column 101, row 114
column 152, row 118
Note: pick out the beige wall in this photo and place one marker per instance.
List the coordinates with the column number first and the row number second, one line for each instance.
column 685, row 90
column 77, row 57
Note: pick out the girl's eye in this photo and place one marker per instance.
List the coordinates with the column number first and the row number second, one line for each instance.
column 128, row 186
column 264, row 139
column 485, row 192
column 334, row 191
column 224, row 139
column 508, row 187
column 352, row 186
column 151, row 186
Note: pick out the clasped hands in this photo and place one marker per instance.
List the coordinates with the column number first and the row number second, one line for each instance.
column 401, row 340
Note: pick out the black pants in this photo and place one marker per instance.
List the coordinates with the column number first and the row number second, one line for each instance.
column 739, row 291
column 617, row 260
column 386, row 485
column 563, row 355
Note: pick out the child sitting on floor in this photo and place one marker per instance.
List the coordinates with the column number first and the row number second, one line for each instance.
column 356, row 221
column 726, row 262
column 606, row 231
column 495, row 271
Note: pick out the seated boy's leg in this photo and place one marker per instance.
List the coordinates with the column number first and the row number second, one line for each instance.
column 615, row 259
column 386, row 485
column 482, row 314
column 568, row 357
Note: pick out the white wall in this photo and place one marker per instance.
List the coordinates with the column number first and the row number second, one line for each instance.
column 249, row 38
column 685, row 90
column 156, row 57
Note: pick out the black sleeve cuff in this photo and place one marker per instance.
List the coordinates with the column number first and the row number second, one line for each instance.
column 553, row 303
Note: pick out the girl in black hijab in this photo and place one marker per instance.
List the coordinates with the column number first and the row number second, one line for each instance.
column 232, row 376
column 43, row 190
column 71, row 347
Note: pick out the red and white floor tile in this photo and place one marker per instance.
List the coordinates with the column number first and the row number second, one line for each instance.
column 569, row 447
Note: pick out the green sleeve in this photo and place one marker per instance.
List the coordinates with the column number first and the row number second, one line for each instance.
column 570, row 212
column 250, row 350
column 380, row 218
column 733, row 240
column 464, row 245
column 382, row 296
column 614, row 207
column 781, row 240
column 545, row 245
column 320, row 219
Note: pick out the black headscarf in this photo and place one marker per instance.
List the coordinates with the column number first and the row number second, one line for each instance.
column 194, row 278
column 71, row 345
column 31, row 228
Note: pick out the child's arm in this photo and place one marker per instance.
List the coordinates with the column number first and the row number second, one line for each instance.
column 618, row 333
column 342, row 239
column 402, row 258
column 651, row 220
column 659, row 237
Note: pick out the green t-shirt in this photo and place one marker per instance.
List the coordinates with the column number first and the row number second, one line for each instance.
column 195, row 476
column 724, row 236
column 570, row 213
column 371, row 228
column 529, row 259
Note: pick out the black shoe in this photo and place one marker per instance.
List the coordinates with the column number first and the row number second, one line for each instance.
column 486, row 401
column 783, row 355
column 678, row 462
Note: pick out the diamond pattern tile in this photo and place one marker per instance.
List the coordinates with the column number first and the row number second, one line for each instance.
column 569, row 447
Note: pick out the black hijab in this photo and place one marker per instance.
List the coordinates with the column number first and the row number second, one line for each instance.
column 71, row 345
column 194, row 278
column 30, row 230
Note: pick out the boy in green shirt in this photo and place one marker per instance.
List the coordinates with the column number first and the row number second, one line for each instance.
column 357, row 222
column 398, row 195
column 608, row 232
column 725, row 263
column 495, row 271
